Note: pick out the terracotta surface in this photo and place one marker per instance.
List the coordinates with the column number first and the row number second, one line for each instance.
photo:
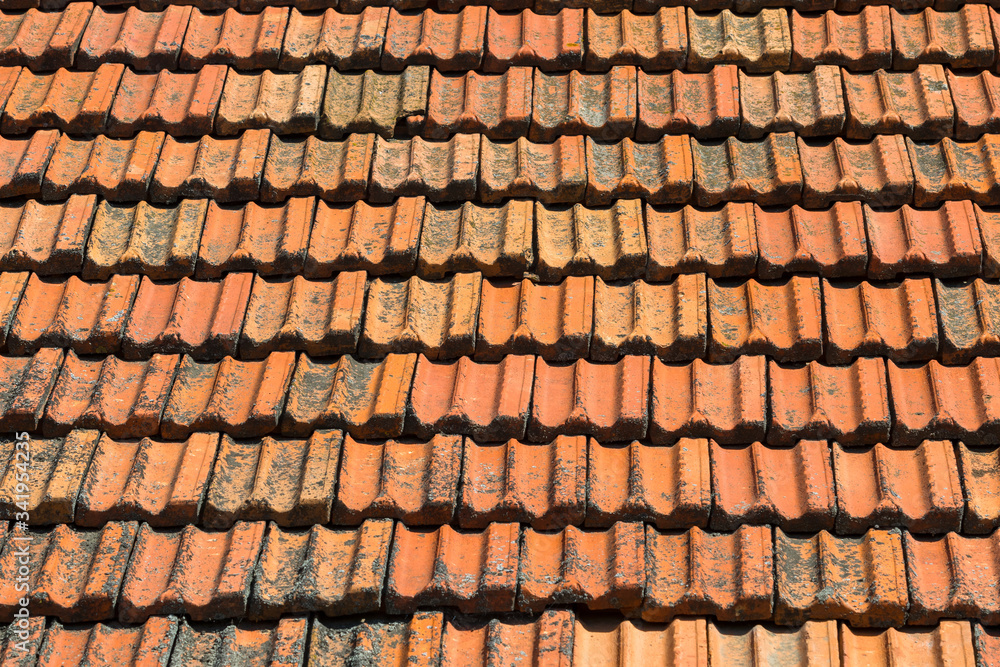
column 525, row 38
column 950, row 577
column 498, row 106
column 960, row 38
column 286, row 103
column 553, row 173
column 829, row 242
column 944, row 241
column 347, row 41
column 144, row 40
column 860, row 41
column 606, row 242
column 767, row 172
column 494, row 240
column 447, row 41
column 372, row 101
column 602, row 106
column 43, row 40
column 721, row 243
column 72, row 101
column 811, row 105
column 704, row 105
column 654, row 42
column 178, row 103
column 917, row 104
column 757, row 42
column 245, row 41
column 47, row 238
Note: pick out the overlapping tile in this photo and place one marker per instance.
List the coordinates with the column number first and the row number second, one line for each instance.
column 336, row 571
column 27, row 383
column 849, row 404
column 217, row 643
column 917, row 104
column 943, row 241
column 758, row 485
column 498, row 106
column 660, row 172
column 979, row 469
column 599, row 569
column 413, row 167
column 609, row 640
column 894, row 320
column 961, row 39
column 486, row 401
column 652, row 42
column 767, row 172
column 725, row 402
column 598, row 105
column 43, row 40
column 554, row 173
column 721, row 243
column 810, row 104
column 968, row 311
column 578, row 241
column 877, row 172
column 759, row 42
column 949, row 578
column 46, row 238
column 729, row 576
column 950, row 170
column 496, row 241
column 975, row 113
column 446, row 41
column 374, row 102
column 312, row 167
column 553, row 42
column 703, row 105
column 666, row 486
column 286, row 481
column 541, row 485
column 224, row 169
column 341, row 40
column 23, row 161
column 178, row 103
column 204, row 575
column 368, row 398
column 861, row 42
column 475, row 571
column 72, row 101
column 861, row 580
column 156, row 481
column 950, row 641
column 117, row 169
column 548, row 636
column 75, row 644
column 245, row 41
column 284, row 102
column 831, row 242
column 144, row 40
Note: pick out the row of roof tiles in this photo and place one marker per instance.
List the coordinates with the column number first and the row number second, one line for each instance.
column 518, row 397
column 476, row 37
column 928, row 103
column 554, row 638
column 780, row 169
column 799, row 319
column 90, row 478
column 520, row 238
column 130, row 571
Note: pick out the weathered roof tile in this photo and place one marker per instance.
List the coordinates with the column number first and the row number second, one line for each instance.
column 178, row 103
column 960, row 39
column 950, row 577
column 949, row 641
column 660, row 173
column 917, row 104
column 606, row 242
column 43, row 40
column 497, row 105
column 494, row 240
column 602, row 106
column 980, row 473
column 374, row 102
column 390, row 641
column 549, row 173
column 861, row 42
column 312, row 167
column 720, row 242
column 759, row 42
column 245, row 41
column 413, row 167
column 654, row 42
column 950, row 170
column 145, row 40
column 809, row 104
column 27, row 383
column 705, row 105
column 767, row 172
column 550, row 43
column 72, row 101
column 448, row 42
column 225, row 169
column 284, row 102
column 831, row 243
column 877, row 172
column 968, row 311
column 23, row 161
column 975, row 114
column 344, row 41
column 549, row 636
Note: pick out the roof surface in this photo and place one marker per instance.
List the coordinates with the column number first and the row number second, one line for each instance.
column 591, row 333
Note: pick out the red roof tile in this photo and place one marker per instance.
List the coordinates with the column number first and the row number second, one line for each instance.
column 917, row 104
column 945, row 402
column 245, row 41
column 58, row 467
column 414, row 482
column 178, row 103
column 284, row 102
column 790, row 487
column 474, row 571
column 449, row 42
column 332, row 170
column 145, row 40
column 607, row 401
column 47, row 238
column 69, row 100
column 334, row 571
column 918, row 489
column 77, row 644
column 123, row 398
column 974, row 113
column 374, row 102
column 389, row 641
column 780, row 320
column 944, row 241
column 894, row 320
column 767, row 172
column 225, row 170
column 700, row 400
column 436, row 318
column 241, row 398
column 368, row 398
column 27, row 383
column 861, row 580
column 486, row 401
column 544, row 486
column 318, row 317
column 729, row 576
column 704, row 105
column 43, row 40
column 989, row 229
column 548, row 173
column 205, row 575
column 951, row 641
column 951, row 577
column 959, row 39
column 601, row 569
column 546, row 639
column 619, row 643
column 669, row 320
column 345, row 41
column 814, row 642
column 950, row 170
column 759, row 42
column 551, row 43
column 73, row 574
column 980, row 473
column 283, row 642
column 158, row 242
column 23, row 161
column 861, row 41
column 497, row 105
column 660, row 173
column 668, row 487
column 606, row 242
column 810, row 104
column 877, row 172
column 654, row 42
column 553, row 321
column 377, row 239
column 849, row 404
column 162, row 483
column 719, row 242
column 413, row 167
column 493, row 240
column 598, row 105
column 117, row 169
column 288, row 482
column 831, row 243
